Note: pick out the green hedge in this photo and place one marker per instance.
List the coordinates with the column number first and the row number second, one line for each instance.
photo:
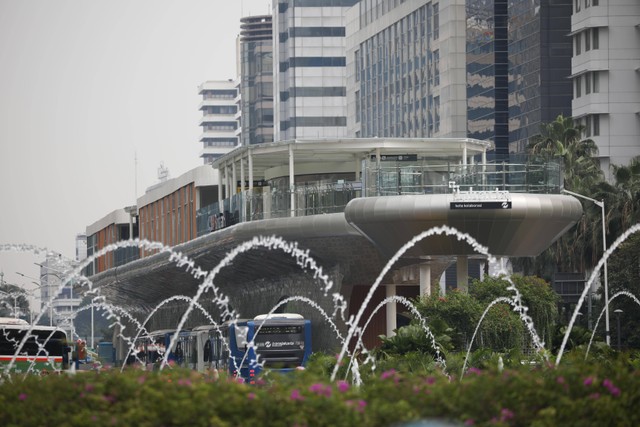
column 573, row 394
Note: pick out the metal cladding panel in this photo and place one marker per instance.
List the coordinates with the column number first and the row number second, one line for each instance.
column 528, row 227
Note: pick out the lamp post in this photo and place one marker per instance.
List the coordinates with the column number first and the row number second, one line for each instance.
column 618, row 312
column 604, row 247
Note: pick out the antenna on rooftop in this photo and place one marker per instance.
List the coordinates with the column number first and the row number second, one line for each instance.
column 163, row 172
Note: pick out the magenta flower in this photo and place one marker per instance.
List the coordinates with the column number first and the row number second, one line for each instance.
column 142, row 379
column 560, row 380
column 361, row 405
column 388, row 374
column 608, row 384
column 320, row 389
column 587, row 381
column 22, row 396
column 474, row 371
column 295, row 395
column 251, row 396
column 343, row 386
column 506, row 414
column 89, row 387
column 470, row 422
column 430, row 380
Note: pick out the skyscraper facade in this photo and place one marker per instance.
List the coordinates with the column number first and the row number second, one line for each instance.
column 606, row 76
column 256, row 79
column 220, row 118
column 485, row 69
column 309, row 56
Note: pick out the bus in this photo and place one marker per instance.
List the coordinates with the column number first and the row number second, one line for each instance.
column 282, row 342
column 45, row 350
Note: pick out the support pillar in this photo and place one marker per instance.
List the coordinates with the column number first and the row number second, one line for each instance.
column 391, row 311
column 462, row 273
column 425, row 279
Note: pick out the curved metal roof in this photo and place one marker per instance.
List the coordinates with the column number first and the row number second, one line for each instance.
column 528, row 227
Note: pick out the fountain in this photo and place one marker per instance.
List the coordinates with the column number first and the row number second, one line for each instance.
column 211, row 292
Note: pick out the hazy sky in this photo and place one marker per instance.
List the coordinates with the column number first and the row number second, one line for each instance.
column 85, row 87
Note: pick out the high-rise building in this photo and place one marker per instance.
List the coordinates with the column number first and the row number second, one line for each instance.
column 309, row 56
column 605, row 71
column 485, row 69
column 256, row 79
column 220, row 118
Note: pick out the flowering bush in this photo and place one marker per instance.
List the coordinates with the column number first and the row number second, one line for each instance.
column 574, row 393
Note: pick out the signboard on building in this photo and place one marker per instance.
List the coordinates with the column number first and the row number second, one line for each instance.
column 396, row 157
column 480, row 205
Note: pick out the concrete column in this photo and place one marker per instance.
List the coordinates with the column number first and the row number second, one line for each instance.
column 220, row 183
column 292, row 186
column 425, row 279
column 462, row 273
column 250, row 155
column 243, row 194
column 391, row 311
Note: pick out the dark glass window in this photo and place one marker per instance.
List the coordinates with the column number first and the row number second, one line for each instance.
column 317, row 32
column 317, row 61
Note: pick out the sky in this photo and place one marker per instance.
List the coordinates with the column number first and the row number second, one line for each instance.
column 94, row 96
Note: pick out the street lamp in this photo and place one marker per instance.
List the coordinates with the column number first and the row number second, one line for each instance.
column 15, row 302
column 604, row 247
column 48, row 293
column 618, row 312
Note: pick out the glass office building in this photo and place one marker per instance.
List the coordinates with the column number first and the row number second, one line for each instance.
column 486, row 69
column 256, row 88
column 309, row 53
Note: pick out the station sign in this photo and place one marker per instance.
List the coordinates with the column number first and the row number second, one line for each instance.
column 396, row 157
column 506, row 204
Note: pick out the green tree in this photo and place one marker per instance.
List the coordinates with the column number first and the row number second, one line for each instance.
column 624, row 271
column 13, row 298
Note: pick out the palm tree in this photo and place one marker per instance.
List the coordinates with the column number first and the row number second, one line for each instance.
column 562, row 139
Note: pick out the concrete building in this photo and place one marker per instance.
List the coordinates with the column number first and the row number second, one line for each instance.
column 121, row 224
column 352, row 203
column 309, row 59
column 606, row 76
column 168, row 210
column 256, row 79
column 484, row 69
column 220, row 118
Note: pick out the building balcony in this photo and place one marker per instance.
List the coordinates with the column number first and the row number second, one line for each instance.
column 265, row 201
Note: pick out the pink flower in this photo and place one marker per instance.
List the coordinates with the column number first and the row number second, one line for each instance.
column 560, row 380
column 142, row 379
column 22, row 396
column 506, row 414
column 320, row 389
column 587, row 381
column 388, row 374
column 608, row 384
column 295, row 395
column 361, row 405
column 474, row 371
column 470, row 422
column 594, row 396
column 430, row 380
column 251, row 396
column 343, row 386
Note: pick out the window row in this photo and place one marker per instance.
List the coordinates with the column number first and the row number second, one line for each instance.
column 590, row 124
column 591, row 38
column 586, row 3
column 588, row 82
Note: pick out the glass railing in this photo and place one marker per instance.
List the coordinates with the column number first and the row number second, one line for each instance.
column 383, row 179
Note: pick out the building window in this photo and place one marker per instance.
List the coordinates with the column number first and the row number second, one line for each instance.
column 436, row 67
column 595, row 79
column 578, row 40
column 587, row 83
column 587, row 41
column 578, row 5
column 587, row 127
column 578, row 86
column 596, row 125
column 595, row 35
column 436, row 21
